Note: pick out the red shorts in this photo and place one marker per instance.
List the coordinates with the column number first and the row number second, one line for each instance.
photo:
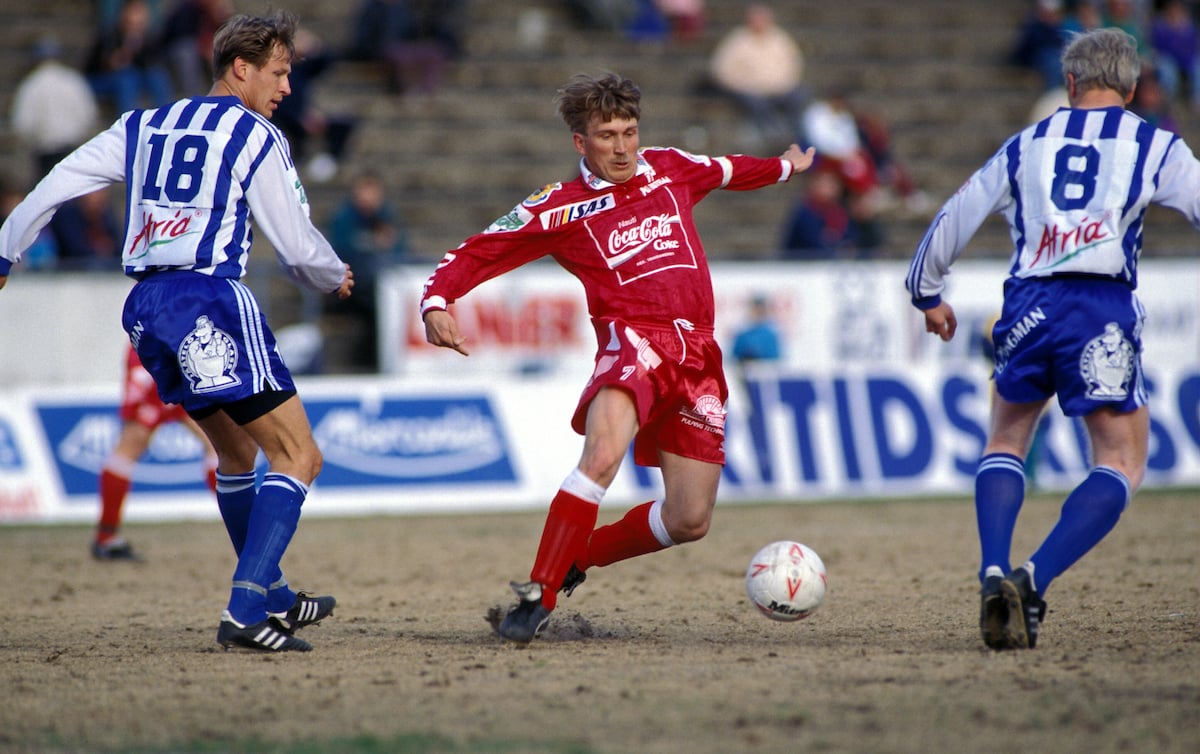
column 139, row 400
column 677, row 383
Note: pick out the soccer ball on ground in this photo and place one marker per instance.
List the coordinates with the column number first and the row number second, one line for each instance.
column 786, row 581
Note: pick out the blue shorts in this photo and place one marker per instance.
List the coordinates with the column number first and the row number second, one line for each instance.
column 203, row 339
column 1077, row 337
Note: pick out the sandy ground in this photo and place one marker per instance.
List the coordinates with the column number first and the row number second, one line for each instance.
column 659, row 654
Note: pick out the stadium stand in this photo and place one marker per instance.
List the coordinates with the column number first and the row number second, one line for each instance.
column 934, row 68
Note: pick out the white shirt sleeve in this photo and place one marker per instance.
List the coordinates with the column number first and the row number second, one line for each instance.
column 986, row 192
column 98, row 163
column 280, row 210
column 1177, row 182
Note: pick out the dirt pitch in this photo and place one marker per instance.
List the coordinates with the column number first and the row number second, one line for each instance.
column 659, row 654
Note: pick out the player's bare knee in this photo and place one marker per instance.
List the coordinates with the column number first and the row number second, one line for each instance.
column 689, row 530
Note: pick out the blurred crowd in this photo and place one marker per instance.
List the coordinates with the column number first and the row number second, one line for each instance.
column 1166, row 34
column 148, row 52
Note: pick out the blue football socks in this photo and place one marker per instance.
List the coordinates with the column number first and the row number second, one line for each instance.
column 1088, row 514
column 272, row 524
column 235, row 499
column 999, row 494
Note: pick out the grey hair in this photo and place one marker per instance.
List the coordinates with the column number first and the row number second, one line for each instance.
column 1102, row 59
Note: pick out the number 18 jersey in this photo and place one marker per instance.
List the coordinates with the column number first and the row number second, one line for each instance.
column 195, row 171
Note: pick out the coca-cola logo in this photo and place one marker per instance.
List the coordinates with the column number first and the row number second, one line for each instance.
column 628, row 240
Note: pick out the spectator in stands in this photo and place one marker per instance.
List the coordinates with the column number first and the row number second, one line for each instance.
column 53, row 109
column 187, row 39
column 648, row 23
column 758, row 339
column 369, row 236
column 612, row 15
column 819, row 224
column 142, row 414
column 318, row 139
column 108, row 11
column 415, row 39
column 761, row 66
column 1127, row 16
column 87, row 233
column 1040, row 42
column 1081, row 16
column 1174, row 39
column 686, row 18
column 831, row 126
column 897, row 181
column 1150, row 101
column 125, row 65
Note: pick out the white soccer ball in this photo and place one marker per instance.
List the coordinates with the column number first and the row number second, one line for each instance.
column 786, row 581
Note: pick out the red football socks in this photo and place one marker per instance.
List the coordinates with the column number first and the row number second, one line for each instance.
column 564, row 539
column 624, row 539
column 113, row 489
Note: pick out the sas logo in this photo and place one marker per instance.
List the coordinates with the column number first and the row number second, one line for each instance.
column 553, row 218
column 541, row 195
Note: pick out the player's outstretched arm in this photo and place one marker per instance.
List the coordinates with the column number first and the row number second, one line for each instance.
column 940, row 321
column 441, row 329
column 3, row 280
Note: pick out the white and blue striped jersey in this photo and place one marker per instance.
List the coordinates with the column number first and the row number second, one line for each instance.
column 1074, row 189
column 195, row 172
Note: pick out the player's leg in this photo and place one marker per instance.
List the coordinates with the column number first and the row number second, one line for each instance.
column 999, row 495
column 293, row 460
column 682, row 515
column 236, row 481
column 610, row 426
column 1120, row 446
column 1098, row 376
column 1000, row 479
column 210, row 455
column 115, row 480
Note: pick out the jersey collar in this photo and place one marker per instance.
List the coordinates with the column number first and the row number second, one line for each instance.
column 597, row 183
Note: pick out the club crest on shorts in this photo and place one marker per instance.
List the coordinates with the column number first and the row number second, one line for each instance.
column 708, row 414
column 1107, row 364
column 208, row 358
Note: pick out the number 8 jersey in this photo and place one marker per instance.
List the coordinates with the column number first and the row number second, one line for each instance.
column 1074, row 188
column 195, row 171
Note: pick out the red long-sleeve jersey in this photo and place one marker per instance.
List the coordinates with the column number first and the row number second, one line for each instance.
column 633, row 246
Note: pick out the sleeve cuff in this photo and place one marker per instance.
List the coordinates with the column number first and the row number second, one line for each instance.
column 927, row 303
column 433, row 303
column 5, row 266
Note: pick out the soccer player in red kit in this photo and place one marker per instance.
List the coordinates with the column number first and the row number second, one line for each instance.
column 624, row 227
column 142, row 412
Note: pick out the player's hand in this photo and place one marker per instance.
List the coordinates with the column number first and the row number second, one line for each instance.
column 801, row 159
column 343, row 291
column 940, row 321
column 441, row 329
